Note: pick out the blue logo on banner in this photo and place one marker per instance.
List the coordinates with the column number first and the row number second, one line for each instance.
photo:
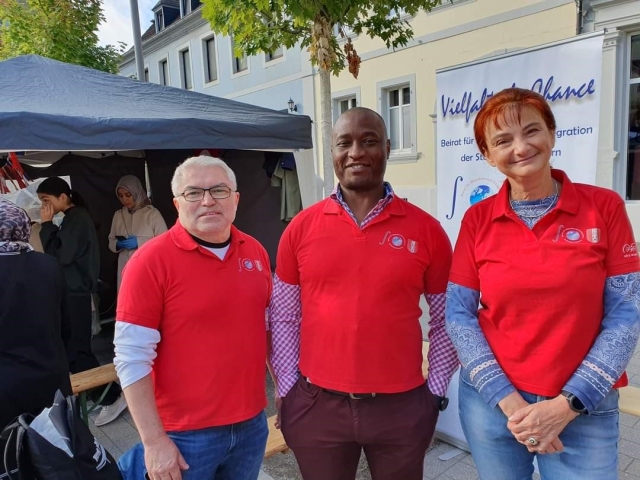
column 479, row 193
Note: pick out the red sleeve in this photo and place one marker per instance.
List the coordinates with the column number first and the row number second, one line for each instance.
column 141, row 295
column 622, row 254
column 286, row 260
column 437, row 274
column 267, row 262
column 464, row 269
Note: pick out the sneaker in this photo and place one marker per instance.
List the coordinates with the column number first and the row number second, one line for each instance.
column 109, row 413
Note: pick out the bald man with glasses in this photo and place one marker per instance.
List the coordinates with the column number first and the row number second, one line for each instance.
column 191, row 339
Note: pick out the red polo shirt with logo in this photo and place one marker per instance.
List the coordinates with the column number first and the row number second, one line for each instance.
column 360, row 290
column 210, row 365
column 542, row 288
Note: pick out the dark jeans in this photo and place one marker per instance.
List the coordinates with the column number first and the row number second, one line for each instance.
column 79, row 352
column 327, row 432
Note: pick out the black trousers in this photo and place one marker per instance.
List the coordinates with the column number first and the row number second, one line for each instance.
column 79, row 353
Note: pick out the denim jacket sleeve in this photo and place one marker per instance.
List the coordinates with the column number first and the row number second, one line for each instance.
column 479, row 365
column 614, row 346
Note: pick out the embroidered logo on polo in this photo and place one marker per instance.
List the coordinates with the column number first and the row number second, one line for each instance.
column 575, row 235
column 629, row 250
column 397, row 241
column 572, row 235
column 593, row 235
column 250, row 265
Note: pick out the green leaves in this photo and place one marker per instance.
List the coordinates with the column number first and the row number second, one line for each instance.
column 264, row 25
column 64, row 30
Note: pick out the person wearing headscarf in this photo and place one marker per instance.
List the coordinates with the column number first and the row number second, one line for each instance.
column 135, row 223
column 35, row 324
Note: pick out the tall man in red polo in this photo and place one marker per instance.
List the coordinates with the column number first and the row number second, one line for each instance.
column 191, row 339
column 347, row 342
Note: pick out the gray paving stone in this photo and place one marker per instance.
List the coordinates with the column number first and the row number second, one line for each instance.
column 629, row 433
column 629, row 448
column 629, row 420
column 624, row 461
column 634, row 468
column 462, row 471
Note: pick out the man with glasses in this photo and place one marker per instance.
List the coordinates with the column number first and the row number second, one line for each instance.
column 191, row 339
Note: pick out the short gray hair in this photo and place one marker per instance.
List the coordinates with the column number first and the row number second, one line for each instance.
column 203, row 161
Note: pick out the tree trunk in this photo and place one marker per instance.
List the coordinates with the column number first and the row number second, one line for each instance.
column 326, row 123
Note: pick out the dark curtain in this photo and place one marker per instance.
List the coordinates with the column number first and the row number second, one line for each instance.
column 96, row 180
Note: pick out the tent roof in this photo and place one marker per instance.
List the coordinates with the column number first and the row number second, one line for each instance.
column 50, row 105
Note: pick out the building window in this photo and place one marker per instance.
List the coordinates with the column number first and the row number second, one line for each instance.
column 210, row 62
column 159, row 20
column 185, row 69
column 339, row 30
column 185, row 6
column 399, row 117
column 344, row 100
column 146, row 74
column 400, row 12
column 277, row 53
column 633, row 145
column 164, row 72
column 448, row 3
column 397, row 105
column 240, row 64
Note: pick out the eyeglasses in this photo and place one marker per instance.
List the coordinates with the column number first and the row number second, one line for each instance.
column 197, row 194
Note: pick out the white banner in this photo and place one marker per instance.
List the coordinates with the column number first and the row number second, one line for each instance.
column 568, row 75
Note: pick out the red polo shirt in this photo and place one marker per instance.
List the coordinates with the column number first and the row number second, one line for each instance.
column 210, row 368
column 360, row 290
column 542, row 288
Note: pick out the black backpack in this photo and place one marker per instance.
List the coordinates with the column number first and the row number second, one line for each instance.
column 37, row 459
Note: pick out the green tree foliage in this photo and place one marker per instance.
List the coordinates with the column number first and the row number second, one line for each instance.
column 264, row 25
column 64, row 30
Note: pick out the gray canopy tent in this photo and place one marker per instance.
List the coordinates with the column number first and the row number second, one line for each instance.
column 96, row 127
column 50, row 105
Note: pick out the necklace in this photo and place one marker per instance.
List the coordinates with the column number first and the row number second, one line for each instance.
column 531, row 212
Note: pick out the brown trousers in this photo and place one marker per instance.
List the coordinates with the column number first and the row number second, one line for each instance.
column 327, row 432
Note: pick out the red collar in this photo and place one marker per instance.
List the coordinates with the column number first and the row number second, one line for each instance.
column 183, row 239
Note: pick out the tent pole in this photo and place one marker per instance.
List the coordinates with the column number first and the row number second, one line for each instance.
column 137, row 39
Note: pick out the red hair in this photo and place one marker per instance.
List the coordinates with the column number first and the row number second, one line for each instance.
column 509, row 101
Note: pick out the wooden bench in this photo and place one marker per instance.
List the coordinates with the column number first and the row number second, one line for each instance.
column 630, row 400
column 629, row 396
column 106, row 374
column 82, row 382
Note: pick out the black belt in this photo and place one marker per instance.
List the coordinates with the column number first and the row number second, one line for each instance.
column 353, row 396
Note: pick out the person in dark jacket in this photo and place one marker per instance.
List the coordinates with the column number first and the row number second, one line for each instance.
column 34, row 323
column 75, row 246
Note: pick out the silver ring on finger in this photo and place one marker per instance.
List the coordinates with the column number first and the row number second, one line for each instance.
column 532, row 441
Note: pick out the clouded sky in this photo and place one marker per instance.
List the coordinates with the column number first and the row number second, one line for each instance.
column 118, row 25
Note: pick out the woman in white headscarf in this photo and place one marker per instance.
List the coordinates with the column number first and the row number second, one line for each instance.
column 135, row 223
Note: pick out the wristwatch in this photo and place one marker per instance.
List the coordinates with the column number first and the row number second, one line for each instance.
column 574, row 402
column 443, row 403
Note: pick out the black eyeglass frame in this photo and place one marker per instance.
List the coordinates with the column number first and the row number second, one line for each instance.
column 204, row 190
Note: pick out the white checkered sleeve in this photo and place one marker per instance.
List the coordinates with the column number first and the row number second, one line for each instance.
column 285, row 313
column 443, row 358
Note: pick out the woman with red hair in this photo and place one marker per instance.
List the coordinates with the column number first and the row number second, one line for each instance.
column 542, row 307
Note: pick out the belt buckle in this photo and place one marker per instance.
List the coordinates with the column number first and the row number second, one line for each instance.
column 355, row 396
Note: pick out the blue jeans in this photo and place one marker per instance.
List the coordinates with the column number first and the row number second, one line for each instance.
column 230, row 452
column 590, row 442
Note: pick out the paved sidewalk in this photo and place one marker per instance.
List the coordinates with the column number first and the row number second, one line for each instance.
column 120, row 435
